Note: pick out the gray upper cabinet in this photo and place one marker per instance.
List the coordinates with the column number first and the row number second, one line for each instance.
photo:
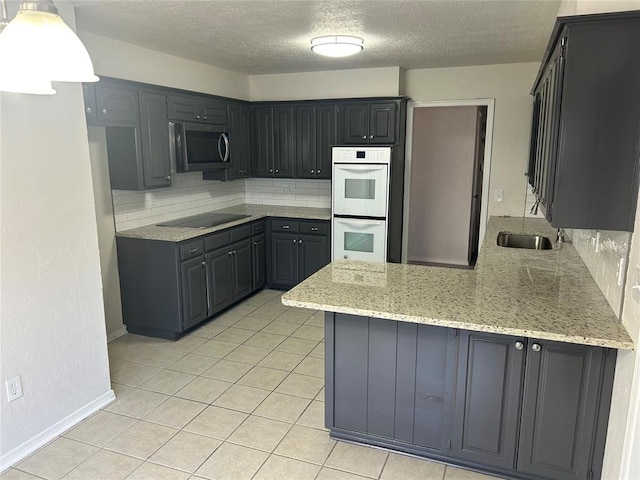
column 369, row 122
column 239, row 116
column 116, row 104
column 273, row 141
column 315, row 135
column 138, row 154
column 192, row 108
column 586, row 123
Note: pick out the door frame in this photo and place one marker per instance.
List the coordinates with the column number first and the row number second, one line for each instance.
column 484, row 205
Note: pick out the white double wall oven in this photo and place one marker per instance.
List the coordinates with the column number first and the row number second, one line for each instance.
column 360, row 203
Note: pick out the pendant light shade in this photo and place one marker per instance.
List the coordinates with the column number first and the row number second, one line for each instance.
column 37, row 47
column 337, row 45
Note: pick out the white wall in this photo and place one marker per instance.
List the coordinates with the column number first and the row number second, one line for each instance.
column 365, row 82
column 52, row 330
column 509, row 85
column 580, row 7
column 130, row 62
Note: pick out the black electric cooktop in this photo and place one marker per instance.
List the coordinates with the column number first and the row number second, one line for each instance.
column 204, row 220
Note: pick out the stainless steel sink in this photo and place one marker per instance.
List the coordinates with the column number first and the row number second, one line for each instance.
column 516, row 240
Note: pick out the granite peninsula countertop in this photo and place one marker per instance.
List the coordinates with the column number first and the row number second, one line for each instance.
column 255, row 212
column 538, row 294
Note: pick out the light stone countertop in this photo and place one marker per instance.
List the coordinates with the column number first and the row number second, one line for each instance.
column 538, row 294
column 255, row 212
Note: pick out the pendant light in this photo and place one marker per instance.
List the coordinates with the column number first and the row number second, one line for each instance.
column 37, row 47
column 337, row 45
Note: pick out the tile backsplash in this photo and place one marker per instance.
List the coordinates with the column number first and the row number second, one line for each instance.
column 604, row 262
column 188, row 195
column 297, row 193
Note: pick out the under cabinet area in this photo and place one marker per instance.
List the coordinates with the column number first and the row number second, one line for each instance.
column 168, row 288
column 298, row 249
column 583, row 165
column 511, row 406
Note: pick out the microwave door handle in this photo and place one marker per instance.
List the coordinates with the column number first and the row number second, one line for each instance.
column 219, row 147
column 226, row 147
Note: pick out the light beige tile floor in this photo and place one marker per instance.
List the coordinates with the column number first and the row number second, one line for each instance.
column 240, row 398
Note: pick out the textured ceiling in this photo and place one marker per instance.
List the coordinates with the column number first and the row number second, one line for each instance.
column 260, row 37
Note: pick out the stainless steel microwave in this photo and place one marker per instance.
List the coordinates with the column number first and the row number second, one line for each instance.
column 198, row 147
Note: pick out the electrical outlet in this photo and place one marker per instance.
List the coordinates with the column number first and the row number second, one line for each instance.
column 597, row 245
column 499, row 195
column 288, row 187
column 14, row 388
column 621, row 270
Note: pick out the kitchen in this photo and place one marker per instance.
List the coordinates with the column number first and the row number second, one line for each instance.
column 508, row 84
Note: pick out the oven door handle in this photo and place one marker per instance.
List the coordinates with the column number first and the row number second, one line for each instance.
column 359, row 223
column 361, row 169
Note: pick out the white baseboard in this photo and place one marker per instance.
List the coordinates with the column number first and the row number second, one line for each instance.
column 30, row 446
column 116, row 334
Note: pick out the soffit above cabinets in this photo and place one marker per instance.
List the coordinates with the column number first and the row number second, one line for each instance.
column 266, row 37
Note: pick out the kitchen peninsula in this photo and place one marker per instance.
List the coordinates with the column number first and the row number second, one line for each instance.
column 505, row 369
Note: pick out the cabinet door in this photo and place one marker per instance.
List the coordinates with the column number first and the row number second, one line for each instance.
column 237, row 142
column 284, row 259
column 382, row 123
column 219, row 281
column 313, row 254
column 487, row 400
column 326, row 131
column 356, row 124
column 154, row 135
column 194, row 292
column 263, row 141
column 283, row 142
column 90, row 109
column 213, row 112
column 246, row 140
column 259, row 262
column 117, row 105
column 183, row 108
column 242, row 269
column 306, row 142
column 559, row 410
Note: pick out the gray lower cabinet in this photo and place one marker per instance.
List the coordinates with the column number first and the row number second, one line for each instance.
column 168, row 288
column 259, row 261
column 508, row 406
column 298, row 249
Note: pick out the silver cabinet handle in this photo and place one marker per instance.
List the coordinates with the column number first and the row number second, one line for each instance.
column 536, row 347
column 234, row 252
column 168, row 177
column 294, row 241
column 204, row 264
column 193, row 250
column 519, row 345
column 88, row 109
column 230, row 253
column 277, row 170
column 271, row 170
column 103, row 111
column 312, row 171
column 314, row 229
column 318, row 172
column 197, row 117
column 364, row 137
column 371, row 137
column 300, row 242
column 285, row 227
column 205, row 118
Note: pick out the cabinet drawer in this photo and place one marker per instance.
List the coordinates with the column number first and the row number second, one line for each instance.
column 191, row 249
column 314, row 228
column 284, row 226
column 216, row 240
column 257, row 227
column 240, row 233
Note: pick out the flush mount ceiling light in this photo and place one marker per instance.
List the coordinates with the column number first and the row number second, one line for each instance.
column 37, row 48
column 337, row 45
